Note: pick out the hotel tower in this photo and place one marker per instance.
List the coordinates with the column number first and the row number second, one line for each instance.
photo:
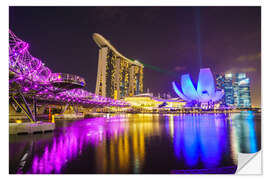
column 117, row 76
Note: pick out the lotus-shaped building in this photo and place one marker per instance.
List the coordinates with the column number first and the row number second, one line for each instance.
column 205, row 92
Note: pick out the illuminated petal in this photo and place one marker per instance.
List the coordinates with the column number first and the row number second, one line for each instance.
column 188, row 88
column 177, row 91
column 206, row 85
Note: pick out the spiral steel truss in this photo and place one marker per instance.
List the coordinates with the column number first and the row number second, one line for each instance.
column 29, row 78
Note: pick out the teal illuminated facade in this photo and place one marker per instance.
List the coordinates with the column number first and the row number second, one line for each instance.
column 242, row 91
column 229, row 89
column 236, row 90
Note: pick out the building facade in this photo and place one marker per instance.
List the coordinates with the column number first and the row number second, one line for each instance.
column 220, row 86
column 149, row 102
column 229, row 89
column 117, row 77
column 236, row 90
column 242, row 91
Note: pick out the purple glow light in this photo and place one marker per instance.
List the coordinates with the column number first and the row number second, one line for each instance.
column 205, row 91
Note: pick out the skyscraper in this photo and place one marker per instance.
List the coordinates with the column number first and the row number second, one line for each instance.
column 236, row 88
column 242, row 91
column 117, row 76
column 229, row 89
column 220, row 83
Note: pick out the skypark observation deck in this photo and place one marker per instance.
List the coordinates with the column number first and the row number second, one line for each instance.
column 102, row 42
column 31, row 81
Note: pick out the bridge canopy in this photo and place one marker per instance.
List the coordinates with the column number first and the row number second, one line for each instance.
column 67, row 81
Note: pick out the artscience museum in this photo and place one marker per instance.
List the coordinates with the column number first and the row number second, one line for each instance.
column 204, row 94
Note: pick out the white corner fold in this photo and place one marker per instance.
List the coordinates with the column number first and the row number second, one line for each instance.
column 249, row 163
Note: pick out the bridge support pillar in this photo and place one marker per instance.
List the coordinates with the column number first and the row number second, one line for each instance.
column 25, row 109
column 35, row 108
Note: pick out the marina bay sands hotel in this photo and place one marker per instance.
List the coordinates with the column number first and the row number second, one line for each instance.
column 117, row 76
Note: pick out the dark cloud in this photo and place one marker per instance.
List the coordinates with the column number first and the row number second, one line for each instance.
column 179, row 68
column 252, row 57
column 242, row 70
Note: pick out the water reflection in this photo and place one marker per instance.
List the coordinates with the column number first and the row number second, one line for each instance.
column 200, row 139
column 144, row 143
column 245, row 129
column 127, row 148
column 70, row 144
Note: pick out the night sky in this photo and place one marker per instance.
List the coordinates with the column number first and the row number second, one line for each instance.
column 169, row 40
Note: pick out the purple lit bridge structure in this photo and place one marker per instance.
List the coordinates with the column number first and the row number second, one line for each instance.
column 31, row 82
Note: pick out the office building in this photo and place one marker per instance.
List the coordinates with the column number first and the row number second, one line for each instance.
column 236, row 88
column 242, row 91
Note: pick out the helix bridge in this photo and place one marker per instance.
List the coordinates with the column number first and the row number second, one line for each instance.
column 30, row 80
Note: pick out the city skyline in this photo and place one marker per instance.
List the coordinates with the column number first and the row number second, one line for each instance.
column 226, row 39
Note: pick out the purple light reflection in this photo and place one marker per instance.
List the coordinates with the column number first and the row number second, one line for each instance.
column 70, row 144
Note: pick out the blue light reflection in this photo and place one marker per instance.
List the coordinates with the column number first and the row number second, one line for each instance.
column 245, row 132
column 200, row 139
